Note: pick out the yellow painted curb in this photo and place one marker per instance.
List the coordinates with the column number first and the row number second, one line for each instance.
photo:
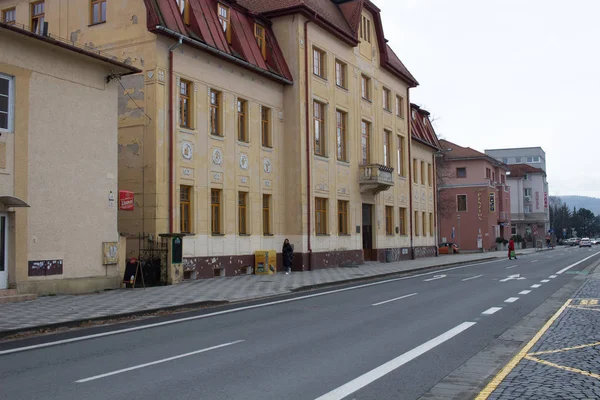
column 493, row 385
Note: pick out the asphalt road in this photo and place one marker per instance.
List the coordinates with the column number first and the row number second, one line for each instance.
column 389, row 339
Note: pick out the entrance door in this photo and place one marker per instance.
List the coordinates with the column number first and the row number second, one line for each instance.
column 367, row 232
column 3, row 251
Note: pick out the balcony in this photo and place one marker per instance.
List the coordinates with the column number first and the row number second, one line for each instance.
column 375, row 178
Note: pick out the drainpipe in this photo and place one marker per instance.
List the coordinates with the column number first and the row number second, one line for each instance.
column 307, row 107
column 435, row 204
column 171, row 130
column 410, row 175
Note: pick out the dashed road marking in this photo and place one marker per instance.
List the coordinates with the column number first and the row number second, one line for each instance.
column 525, row 292
column 397, row 298
column 473, row 277
column 552, row 276
column 545, row 280
column 534, row 261
column 492, row 310
column 537, row 285
column 512, row 266
column 511, row 299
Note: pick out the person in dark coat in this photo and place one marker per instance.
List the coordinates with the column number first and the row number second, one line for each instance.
column 288, row 256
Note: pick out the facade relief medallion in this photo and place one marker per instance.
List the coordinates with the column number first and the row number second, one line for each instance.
column 216, row 177
column 267, row 183
column 187, row 150
column 267, row 166
column 244, row 161
column 217, row 156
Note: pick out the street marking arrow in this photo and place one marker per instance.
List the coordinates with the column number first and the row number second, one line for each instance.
column 513, row 277
column 435, row 278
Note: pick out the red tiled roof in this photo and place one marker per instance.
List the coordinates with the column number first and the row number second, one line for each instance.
column 453, row 151
column 341, row 20
column 205, row 28
column 421, row 128
column 520, row 170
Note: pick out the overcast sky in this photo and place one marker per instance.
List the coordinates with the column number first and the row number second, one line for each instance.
column 508, row 73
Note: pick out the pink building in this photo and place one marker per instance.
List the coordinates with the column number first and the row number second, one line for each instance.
column 474, row 200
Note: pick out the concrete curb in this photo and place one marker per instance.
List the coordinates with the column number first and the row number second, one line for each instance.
column 388, row 274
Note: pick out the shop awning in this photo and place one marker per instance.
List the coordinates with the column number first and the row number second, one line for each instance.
column 12, row 201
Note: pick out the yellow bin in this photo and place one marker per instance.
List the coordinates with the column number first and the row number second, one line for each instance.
column 265, row 262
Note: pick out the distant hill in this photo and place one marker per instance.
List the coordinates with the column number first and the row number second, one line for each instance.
column 591, row 203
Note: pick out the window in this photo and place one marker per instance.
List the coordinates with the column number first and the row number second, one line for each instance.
column 424, row 223
column 389, row 220
column 400, row 157
column 505, row 160
column 224, row 21
column 430, row 175
column 528, row 208
column 414, row 114
column 98, row 11
column 265, row 122
column 341, row 118
column 386, row 99
column 319, row 63
column 488, row 173
column 365, row 29
column 185, row 209
column 461, row 203
column 6, row 103
column 365, row 87
column 243, row 213
column 527, row 194
column 259, row 34
column 181, row 5
column 526, row 177
column 185, row 103
column 503, row 179
column 493, row 177
column 9, row 16
column 423, row 172
column 266, row 207
column 403, row 222
column 242, row 106
column 38, row 16
column 400, row 106
column 513, row 230
column 461, row 172
column 321, row 216
column 215, row 121
column 386, row 148
column 431, row 223
column 414, row 171
column 340, row 74
column 416, row 223
column 533, row 160
column 215, row 211
column 343, row 217
column 365, row 142
column 319, row 125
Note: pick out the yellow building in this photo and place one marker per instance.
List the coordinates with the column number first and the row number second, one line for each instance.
column 58, row 164
column 253, row 122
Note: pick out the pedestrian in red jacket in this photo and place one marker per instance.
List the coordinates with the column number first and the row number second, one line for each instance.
column 511, row 249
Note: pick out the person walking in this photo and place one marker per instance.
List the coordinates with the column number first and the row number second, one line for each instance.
column 288, row 256
column 511, row 249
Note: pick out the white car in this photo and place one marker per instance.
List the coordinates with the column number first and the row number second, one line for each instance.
column 585, row 242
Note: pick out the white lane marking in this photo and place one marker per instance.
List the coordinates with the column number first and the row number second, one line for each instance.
column 512, row 266
column 545, row 281
column 164, row 360
column 216, row 313
column 436, row 277
column 577, row 263
column 535, row 286
column 512, row 277
column 356, row 384
column 492, row 310
column 397, row 298
column 552, row 276
column 473, row 277
column 535, row 261
column 511, row 299
column 550, row 256
column 525, row 292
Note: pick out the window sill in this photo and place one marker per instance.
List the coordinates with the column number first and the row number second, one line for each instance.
column 218, row 234
column 265, row 148
column 320, row 157
column 244, row 234
column 321, row 78
column 268, row 234
column 243, row 143
column 388, row 111
column 390, row 236
column 400, row 116
column 344, row 234
column 217, row 137
column 367, row 100
column 96, row 24
column 345, row 89
column 403, row 177
column 189, row 131
column 322, row 234
column 343, row 163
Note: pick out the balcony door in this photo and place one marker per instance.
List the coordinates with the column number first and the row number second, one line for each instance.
column 369, row 253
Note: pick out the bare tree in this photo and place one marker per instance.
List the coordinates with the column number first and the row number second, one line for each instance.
column 446, row 205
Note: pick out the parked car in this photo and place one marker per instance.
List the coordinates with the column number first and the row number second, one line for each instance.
column 448, row 248
column 585, row 242
column 594, row 241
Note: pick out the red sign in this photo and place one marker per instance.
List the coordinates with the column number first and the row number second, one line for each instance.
column 126, row 200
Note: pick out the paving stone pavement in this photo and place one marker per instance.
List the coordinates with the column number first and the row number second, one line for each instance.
column 565, row 362
column 50, row 310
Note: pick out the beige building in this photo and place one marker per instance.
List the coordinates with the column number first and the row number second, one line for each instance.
column 252, row 123
column 58, row 164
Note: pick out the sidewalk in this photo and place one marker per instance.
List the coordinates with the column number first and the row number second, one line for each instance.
column 56, row 310
column 563, row 360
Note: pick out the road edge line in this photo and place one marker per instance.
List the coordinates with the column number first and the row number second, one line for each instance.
column 494, row 383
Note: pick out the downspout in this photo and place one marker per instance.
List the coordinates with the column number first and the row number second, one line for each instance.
column 435, row 204
column 171, row 130
column 307, row 121
column 410, row 175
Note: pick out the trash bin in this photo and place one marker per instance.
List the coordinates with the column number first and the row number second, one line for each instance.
column 388, row 255
column 265, row 262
